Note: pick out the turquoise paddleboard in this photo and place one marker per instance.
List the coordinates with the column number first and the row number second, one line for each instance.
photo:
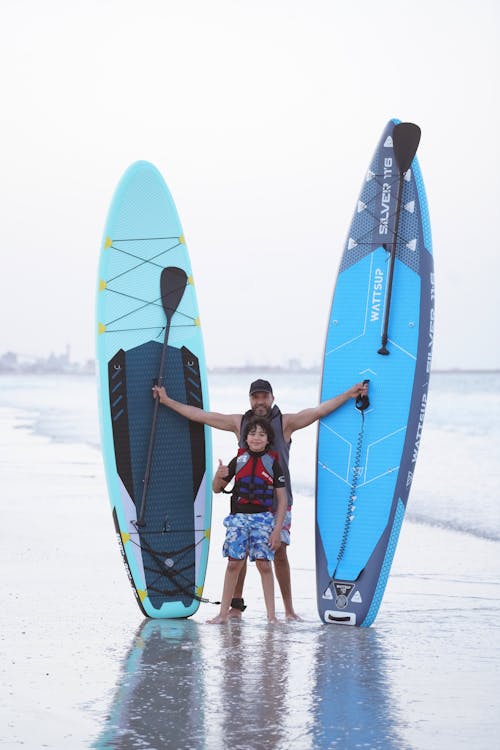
column 158, row 465
column 380, row 329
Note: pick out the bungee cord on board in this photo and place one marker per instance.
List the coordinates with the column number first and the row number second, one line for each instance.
column 109, row 244
column 157, row 302
column 167, row 570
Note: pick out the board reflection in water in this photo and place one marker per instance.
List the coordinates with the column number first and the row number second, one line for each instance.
column 247, row 686
column 160, row 701
column 352, row 704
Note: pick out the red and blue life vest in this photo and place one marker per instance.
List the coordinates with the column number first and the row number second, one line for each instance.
column 253, row 490
column 279, row 444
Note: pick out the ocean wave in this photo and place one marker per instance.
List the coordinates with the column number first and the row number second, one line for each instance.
column 60, row 428
column 491, row 535
column 303, row 490
column 456, row 486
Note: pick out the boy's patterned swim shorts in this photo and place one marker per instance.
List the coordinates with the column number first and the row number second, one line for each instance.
column 248, row 534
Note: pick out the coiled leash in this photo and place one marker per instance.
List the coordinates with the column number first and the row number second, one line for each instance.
column 362, row 403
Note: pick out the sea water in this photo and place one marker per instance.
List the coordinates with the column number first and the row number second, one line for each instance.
column 81, row 668
column 457, row 489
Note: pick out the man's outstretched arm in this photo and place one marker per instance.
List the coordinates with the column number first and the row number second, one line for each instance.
column 229, row 422
column 304, row 418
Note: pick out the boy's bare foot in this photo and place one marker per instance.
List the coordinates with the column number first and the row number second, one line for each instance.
column 272, row 620
column 293, row 616
column 219, row 620
column 234, row 613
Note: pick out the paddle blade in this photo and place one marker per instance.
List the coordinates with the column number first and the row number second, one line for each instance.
column 405, row 138
column 172, row 285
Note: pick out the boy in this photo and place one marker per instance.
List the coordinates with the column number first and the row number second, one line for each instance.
column 253, row 528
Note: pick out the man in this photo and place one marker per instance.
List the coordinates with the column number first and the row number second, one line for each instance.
column 284, row 425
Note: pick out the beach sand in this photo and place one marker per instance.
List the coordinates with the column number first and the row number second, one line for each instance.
column 81, row 668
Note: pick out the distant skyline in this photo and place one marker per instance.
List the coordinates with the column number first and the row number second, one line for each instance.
column 62, row 363
column 262, row 117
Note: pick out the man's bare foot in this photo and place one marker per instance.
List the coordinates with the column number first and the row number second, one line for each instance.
column 234, row 614
column 272, row 620
column 219, row 620
column 293, row 616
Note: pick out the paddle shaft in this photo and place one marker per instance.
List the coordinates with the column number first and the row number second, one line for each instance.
column 172, row 284
column 406, row 137
column 392, row 262
column 140, row 520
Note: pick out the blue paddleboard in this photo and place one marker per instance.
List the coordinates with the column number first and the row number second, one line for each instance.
column 158, row 465
column 380, row 329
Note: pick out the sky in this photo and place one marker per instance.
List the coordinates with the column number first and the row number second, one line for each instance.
column 262, row 116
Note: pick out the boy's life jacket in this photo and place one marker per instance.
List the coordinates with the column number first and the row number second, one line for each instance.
column 255, row 477
column 279, row 444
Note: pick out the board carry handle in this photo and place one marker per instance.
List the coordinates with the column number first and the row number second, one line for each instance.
column 173, row 282
column 405, row 140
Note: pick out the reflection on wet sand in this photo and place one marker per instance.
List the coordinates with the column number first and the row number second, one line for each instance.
column 247, row 686
column 251, row 686
column 159, row 702
column 352, row 705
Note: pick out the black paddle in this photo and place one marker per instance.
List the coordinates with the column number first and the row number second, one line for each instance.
column 405, row 139
column 172, row 285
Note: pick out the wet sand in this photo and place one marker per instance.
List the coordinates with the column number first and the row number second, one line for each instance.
column 80, row 667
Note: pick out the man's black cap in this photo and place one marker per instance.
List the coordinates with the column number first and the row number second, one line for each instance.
column 260, row 386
